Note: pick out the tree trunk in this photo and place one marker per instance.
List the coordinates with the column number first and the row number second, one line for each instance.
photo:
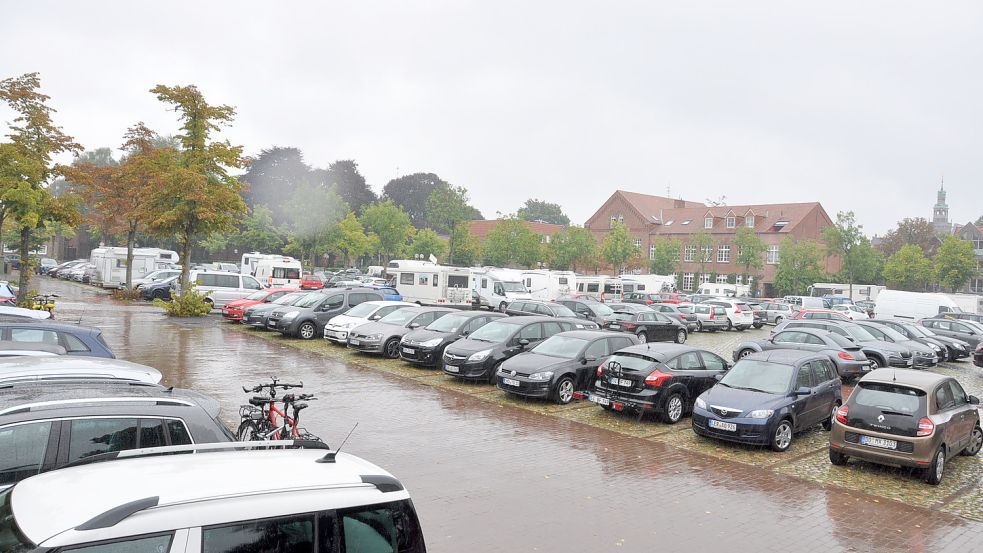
column 3, row 217
column 130, row 237
column 25, row 270
column 186, row 242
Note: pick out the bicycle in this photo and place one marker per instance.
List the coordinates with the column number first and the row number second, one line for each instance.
column 44, row 302
column 262, row 419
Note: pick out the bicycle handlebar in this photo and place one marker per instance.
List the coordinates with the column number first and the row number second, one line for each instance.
column 274, row 385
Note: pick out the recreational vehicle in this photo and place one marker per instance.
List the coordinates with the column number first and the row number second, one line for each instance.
column 278, row 271
column 110, row 265
column 647, row 283
column 549, row 285
column 427, row 283
column 603, row 287
column 249, row 261
column 724, row 289
column 860, row 291
column 496, row 288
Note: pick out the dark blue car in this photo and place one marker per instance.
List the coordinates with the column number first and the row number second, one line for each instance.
column 77, row 340
column 767, row 397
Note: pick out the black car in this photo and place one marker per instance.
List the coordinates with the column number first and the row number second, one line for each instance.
column 644, row 298
column 630, row 307
column 306, row 318
column 79, row 340
column 425, row 346
column 561, row 365
column 535, row 307
column 589, row 309
column 257, row 315
column 659, row 379
column 649, row 327
column 924, row 356
column 478, row 356
column 952, row 349
column 978, row 356
column 880, row 353
column 160, row 290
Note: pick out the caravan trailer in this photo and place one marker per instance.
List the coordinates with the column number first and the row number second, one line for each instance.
column 651, row 284
column 427, row 283
column 110, row 265
column 602, row 287
column 278, row 271
column 549, row 285
column 860, row 291
column 249, row 261
column 496, row 288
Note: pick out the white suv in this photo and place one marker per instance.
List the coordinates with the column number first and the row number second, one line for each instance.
column 739, row 314
column 256, row 500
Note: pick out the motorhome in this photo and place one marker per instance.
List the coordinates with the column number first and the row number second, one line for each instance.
column 912, row 305
column 279, row 271
column 603, row 287
column 249, row 261
column 648, row 283
column 428, row 283
column 495, row 288
column 724, row 290
column 860, row 291
column 549, row 285
column 110, row 265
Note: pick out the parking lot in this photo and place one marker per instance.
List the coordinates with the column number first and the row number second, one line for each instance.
column 492, row 474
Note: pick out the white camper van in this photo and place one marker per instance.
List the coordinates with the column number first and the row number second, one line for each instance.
column 280, row 271
column 912, row 305
column 549, row 285
column 652, row 284
column 249, row 261
column 428, row 283
column 602, row 287
column 724, row 290
column 110, row 265
column 496, row 288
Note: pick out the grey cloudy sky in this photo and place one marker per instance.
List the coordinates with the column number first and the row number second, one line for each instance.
column 860, row 105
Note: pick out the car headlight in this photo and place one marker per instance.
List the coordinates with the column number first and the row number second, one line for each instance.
column 291, row 315
column 480, row 356
column 544, row 375
column 431, row 343
column 700, row 403
column 960, row 346
column 894, row 355
column 760, row 414
column 374, row 336
column 935, row 347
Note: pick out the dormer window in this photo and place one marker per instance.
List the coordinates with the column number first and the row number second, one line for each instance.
column 731, row 222
column 708, row 222
column 749, row 221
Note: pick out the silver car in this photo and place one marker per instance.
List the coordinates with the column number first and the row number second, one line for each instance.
column 777, row 311
column 710, row 317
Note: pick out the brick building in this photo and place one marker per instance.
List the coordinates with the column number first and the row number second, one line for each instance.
column 482, row 228
column 648, row 217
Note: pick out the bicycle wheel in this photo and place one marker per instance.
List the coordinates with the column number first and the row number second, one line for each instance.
column 248, row 431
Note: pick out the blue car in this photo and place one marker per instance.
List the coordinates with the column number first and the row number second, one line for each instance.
column 769, row 396
column 388, row 293
column 76, row 339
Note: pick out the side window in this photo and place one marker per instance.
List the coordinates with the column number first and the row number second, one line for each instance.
column 250, row 283
column 957, row 327
column 333, row 302
column 719, row 312
column 958, row 394
column 804, row 378
column 828, row 369
column 227, row 281
column 598, row 349
column 581, row 308
column 941, row 325
column 532, row 332
column 205, row 280
column 789, row 338
column 383, row 311
column 73, row 344
column 369, row 531
column 814, row 340
column 144, row 544
column 499, row 289
column 836, row 330
column 22, row 450
column 178, row 433
column 426, row 318
column 619, row 343
column 646, row 316
column 660, row 318
column 294, row 533
column 94, row 436
column 435, row 279
column 712, row 362
column 152, row 433
column 406, row 278
column 877, row 333
column 552, row 328
column 943, row 398
column 34, row 336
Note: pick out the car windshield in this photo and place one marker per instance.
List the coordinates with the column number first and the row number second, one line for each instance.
column 889, row 397
column 920, row 331
column 399, row 317
column 362, row 310
column 891, row 333
column 517, row 287
column 309, row 300
column 288, row 299
column 258, row 295
column 602, row 309
column 494, row 332
column 761, row 376
column 448, row 323
column 562, row 310
column 560, row 346
column 685, row 308
column 858, row 333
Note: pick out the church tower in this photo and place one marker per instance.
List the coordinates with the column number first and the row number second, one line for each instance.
column 940, row 214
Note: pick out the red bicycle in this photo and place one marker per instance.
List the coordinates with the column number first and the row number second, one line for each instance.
column 262, row 419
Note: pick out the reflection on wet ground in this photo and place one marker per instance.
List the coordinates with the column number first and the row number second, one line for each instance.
column 488, row 477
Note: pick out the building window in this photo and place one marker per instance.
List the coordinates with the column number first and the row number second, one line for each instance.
column 708, row 222
column 723, row 254
column 749, row 221
column 978, row 244
column 721, row 279
column 688, row 281
column 637, row 243
column 652, row 251
column 772, row 258
column 619, row 218
column 731, row 222
column 739, row 279
column 704, row 278
column 689, row 254
column 707, row 254
column 976, row 285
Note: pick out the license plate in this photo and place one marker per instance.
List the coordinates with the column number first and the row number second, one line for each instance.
column 599, row 400
column 623, row 382
column 271, row 324
column 614, row 326
column 510, row 382
column 452, row 369
column 354, row 342
column 911, row 362
column 878, row 442
column 407, row 350
column 720, row 425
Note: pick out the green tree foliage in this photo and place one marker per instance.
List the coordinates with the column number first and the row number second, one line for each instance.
column 955, row 263
column 463, row 248
column 617, row 247
column 427, row 243
column 391, row 225
column 541, row 210
column 666, row 257
column 909, row 269
column 349, row 241
column 749, row 250
column 572, row 248
column 867, row 263
column 312, row 213
column 512, row 242
column 704, row 249
column 917, row 231
column 842, row 239
column 979, row 221
column 448, row 206
column 258, row 233
column 348, row 182
column 273, row 177
column 412, row 194
column 799, row 266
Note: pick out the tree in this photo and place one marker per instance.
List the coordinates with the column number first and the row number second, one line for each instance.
column 258, row 233
column 312, row 213
column 666, row 255
column 617, row 247
column 979, row 221
column 704, row 251
column 273, row 177
column 908, row 269
column 200, row 198
column 918, row 231
column 427, row 243
column 28, row 167
column 412, row 194
column 512, row 242
column 541, row 210
column 463, row 248
column 448, row 206
column 16, row 171
column 349, row 241
column 348, row 183
column 749, row 249
column 571, row 248
column 867, row 263
column 799, row 266
column 391, row 225
column 841, row 239
column 955, row 263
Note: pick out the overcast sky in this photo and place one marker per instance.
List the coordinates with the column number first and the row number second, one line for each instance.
column 860, row 105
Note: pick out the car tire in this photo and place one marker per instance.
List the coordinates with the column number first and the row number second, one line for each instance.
column 744, row 353
column 730, row 325
column 492, row 379
column 779, row 320
column 759, row 325
column 390, row 350
column 876, row 362
column 672, row 411
column 564, row 391
column 642, row 337
column 975, row 442
column 828, row 423
column 306, row 330
column 157, row 294
column 837, row 458
column 781, row 436
column 680, row 336
column 699, row 326
column 936, row 471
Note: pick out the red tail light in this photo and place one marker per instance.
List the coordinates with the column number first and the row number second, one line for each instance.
column 657, row 378
column 841, row 414
column 845, row 356
column 712, row 316
column 629, row 326
column 650, row 302
column 737, row 309
column 600, row 369
column 925, row 428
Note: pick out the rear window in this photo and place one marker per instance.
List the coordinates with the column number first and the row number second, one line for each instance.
column 890, row 397
column 286, row 272
column 630, row 361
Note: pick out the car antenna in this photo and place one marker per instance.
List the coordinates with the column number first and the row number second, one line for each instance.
column 329, row 457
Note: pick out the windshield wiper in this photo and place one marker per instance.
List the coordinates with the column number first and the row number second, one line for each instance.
column 889, row 412
column 748, row 388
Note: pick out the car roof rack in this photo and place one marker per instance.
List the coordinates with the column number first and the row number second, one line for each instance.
column 190, row 448
column 28, row 407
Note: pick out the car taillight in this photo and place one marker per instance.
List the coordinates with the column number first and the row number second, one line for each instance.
column 649, row 302
column 657, row 378
column 737, row 309
column 712, row 315
column 845, row 356
column 841, row 414
column 600, row 369
column 925, row 428
column 629, row 326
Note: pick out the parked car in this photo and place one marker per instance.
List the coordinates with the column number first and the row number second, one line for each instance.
column 589, row 310
column 44, row 265
column 336, row 330
column 536, row 307
column 389, row 293
column 849, row 359
column 560, row 365
column 649, row 327
column 659, row 379
column 978, row 356
column 777, row 311
column 63, row 368
column 61, row 270
column 53, row 424
column 644, row 298
column 963, row 316
column 383, row 336
column 679, row 311
column 760, row 316
column 630, row 307
column 924, row 356
column 425, row 346
column 78, row 340
column 159, row 289
column 478, row 356
column 156, row 276
column 767, row 397
column 952, row 349
column 224, row 287
column 306, row 318
column 822, row 314
column 867, row 306
column 673, row 297
column 710, row 317
column 233, row 310
column 9, row 312
column 907, row 419
column 968, row 331
column 258, row 315
column 21, row 349
column 880, row 353
column 739, row 314
column 852, row 312
column 807, row 302
column 213, row 502
column 311, row 282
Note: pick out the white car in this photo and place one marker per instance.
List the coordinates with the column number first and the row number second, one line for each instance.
column 739, row 314
column 227, row 497
column 24, row 368
column 853, row 312
column 25, row 313
column 338, row 327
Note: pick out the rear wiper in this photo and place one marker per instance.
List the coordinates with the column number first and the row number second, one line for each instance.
column 888, row 412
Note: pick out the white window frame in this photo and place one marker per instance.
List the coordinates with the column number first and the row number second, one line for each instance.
column 689, row 253
column 739, row 280
column 688, row 281
column 749, row 221
column 707, row 254
column 705, row 278
column 637, row 242
column 708, row 222
column 772, row 255
column 721, row 279
column 731, row 222
column 651, row 252
column 723, row 254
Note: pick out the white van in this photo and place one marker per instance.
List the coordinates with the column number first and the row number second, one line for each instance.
column 912, row 305
column 806, row 302
column 496, row 288
column 224, row 287
column 650, row 284
column 549, row 285
column 427, row 283
column 279, row 271
column 110, row 265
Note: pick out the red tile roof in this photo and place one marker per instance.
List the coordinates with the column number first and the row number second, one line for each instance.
column 481, row 228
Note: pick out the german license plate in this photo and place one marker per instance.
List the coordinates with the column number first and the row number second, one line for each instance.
column 271, row 324
column 623, row 382
column 407, row 350
column 720, row 425
column 510, row 382
column 354, row 342
column 878, row 442
column 452, row 369
column 599, row 400
column 614, row 326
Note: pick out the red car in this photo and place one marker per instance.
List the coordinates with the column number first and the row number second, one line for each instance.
column 818, row 314
column 232, row 311
column 311, row 282
column 672, row 297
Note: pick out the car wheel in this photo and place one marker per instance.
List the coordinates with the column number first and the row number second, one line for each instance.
column 779, row 320
column 936, row 471
column 673, row 411
column 501, row 307
column 642, row 337
column 975, row 442
column 391, row 348
column 781, row 437
column 947, row 355
column 875, row 362
column 730, row 325
column 157, row 294
column 744, row 353
column 837, row 458
column 699, row 326
column 681, row 336
column 492, row 379
column 828, row 423
column 306, row 330
column 564, row 390
column 759, row 325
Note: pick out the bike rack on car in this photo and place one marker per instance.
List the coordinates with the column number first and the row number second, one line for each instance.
column 191, row 448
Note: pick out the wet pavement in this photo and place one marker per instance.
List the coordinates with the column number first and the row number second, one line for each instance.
column 487, row 476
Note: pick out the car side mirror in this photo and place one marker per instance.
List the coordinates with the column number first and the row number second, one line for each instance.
column 523, row 343
column 718, row 377
column 588, row 359
column 803, row 391
column 374, row 318
column 414, row 326
column 974, row 400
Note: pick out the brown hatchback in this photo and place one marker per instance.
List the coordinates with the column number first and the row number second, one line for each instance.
column 906, row 418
